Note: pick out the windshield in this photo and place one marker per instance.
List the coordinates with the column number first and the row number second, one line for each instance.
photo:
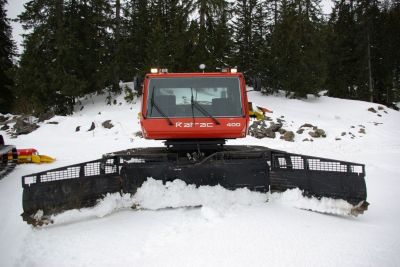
column 194, row 97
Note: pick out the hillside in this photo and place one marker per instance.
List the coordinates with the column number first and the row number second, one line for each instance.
column 230, row 228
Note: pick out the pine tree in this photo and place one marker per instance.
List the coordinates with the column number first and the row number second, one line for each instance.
column 342, row 57
column 67, row 53
column 6, row 62
column 222, row 42
column 362, row 58
column 392, row 51
column 297, row 49
column 34, row 90
column 246, row 34
column 204, row 45
column 156, row 54
column 134, row 38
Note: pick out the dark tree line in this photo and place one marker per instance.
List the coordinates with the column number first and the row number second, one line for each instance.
column 75, row 47
column 6, row 61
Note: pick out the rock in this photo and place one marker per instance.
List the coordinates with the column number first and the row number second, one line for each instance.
column 362, row 126
column 288, row 136
column 307, row 125
column 381, row 108
column 308, row 140
column 92, row 127
column 267, row 118
column 343, row 133
column 23, row 127
column 282, row 131
column 320, row 133
column 52, row 122
column 2, row 118
column 269, row 133
column 275, row 126
column 379, row 115
column 78, row 128
column 362, row 130
column 352, row 126
column 372, row 110
column 337, row 139
column 46, row 116
column 256, row 123
column 317, row 133
column 5, row 127
column 139, row 134
column 300, row 131
column 107, row 124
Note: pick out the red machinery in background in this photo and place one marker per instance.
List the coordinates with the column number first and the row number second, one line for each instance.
column 10, row 157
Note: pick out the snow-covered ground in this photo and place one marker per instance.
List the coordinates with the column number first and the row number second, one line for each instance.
column 224, row 228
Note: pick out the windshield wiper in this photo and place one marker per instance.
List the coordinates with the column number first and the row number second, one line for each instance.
column 202, row 110
column 153, row 104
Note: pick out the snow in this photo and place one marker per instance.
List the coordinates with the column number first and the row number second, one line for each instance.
column 178, row 225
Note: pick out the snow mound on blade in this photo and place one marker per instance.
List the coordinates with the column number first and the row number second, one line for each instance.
column 104, row 207
column 155, row 195
column 214, row 200
column 295, row 198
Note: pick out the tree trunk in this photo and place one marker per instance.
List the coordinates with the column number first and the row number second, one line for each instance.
column 117, row 60
column 371, row 90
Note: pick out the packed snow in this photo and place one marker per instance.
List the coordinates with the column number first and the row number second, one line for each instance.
column 179, row 225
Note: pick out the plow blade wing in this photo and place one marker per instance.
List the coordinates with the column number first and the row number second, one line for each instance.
column 72, row 187
column 320, row 177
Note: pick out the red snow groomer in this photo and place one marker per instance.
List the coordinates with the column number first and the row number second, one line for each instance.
column 195, row 113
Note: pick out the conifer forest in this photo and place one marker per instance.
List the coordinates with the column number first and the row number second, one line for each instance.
column 75, row 47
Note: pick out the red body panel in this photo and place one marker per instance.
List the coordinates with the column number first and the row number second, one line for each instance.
column 26, row 152
column 198, row 128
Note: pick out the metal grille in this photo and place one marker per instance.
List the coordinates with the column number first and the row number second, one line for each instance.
column 92, row 168
column 300, row 162
column 68, row 173
column 297, row 162
column 110, row 167
column 357, row 168
column 29, row 180
column 321, row 165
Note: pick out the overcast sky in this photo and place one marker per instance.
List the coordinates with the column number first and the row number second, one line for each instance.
column 15, row 7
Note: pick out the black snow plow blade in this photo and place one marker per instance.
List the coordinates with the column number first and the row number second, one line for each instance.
column 8, row 158
column 257, row 168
